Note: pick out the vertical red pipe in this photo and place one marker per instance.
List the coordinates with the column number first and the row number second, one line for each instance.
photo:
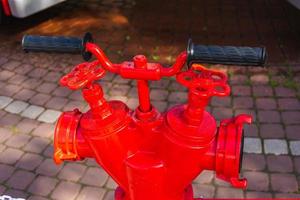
column 140, row 61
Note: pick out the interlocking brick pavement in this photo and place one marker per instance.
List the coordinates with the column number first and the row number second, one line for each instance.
column 31, row 98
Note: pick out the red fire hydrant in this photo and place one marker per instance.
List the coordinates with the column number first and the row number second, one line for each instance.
column 151, row 155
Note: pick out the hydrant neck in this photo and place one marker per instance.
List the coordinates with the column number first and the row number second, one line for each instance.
column 93, row 94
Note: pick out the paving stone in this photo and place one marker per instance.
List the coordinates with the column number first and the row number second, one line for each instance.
column 177, row 97
column 24, row 94
column 257, row 181
column 5, row 134
column 110, row 195
column 119, row 90
column 221, row 101
column 271, row 131
column 37, row 72
column 297, row 164
column 11, row 65
column 37, row 145
column 268, row 116
column 266, row 103
column 18, row 140
column 295, row 148
column 117, row 98
column 2, row 189
column 241, row 90
column 42, row 185
column 262, row 91
column 9, row 120
column 29, row 161
column 111, row 184
column 95, row 177
column 259, row 79
column 161, row 84
column 284, row 92
column 72, row 172
column 37, row 198
column 254, row 162
column 291, row 117
column 32, row 111
column 6, row 172
column 27, row 125
column 61, row 91
column 203, row 191
column 258, row 195
column 46, row 87
column 120, row 80
column 205, row 177
column 44, row 130
column 16, row 193
column 275, row 146
column 287, row 196
column 250, row 130
column 56, row 103
column 226, row 192
column 242, row 102
column 10, row 156
column 31, row 83
column 71, row 105
column 238, row 79
column 23, row 69
column 5, row 75
column 158, row 94
column 132, row 103
column 66, row 190
column 10, row 89
column 20, row 179
column 4, row 101
column 49, row 151
column 52, row 76
column 292, row 132
column 16, row 107
column 284, row 182
column 76, row 95
column 222, row 113
column 49, row 116
column 252, row 145
column 289, row 104
column 49, row 168
column 39, row 99
column 161, row 106
column 17, row 79
column 280, row 163
column 91, row 193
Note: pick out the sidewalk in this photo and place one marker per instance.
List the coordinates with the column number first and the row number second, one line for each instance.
column 31, row 99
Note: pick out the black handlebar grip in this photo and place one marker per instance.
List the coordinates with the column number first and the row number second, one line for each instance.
column 227, row 55
column 59, row 44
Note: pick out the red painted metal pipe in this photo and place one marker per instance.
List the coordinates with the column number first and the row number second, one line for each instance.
column 151, row 155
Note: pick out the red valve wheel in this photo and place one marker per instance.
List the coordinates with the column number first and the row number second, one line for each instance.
column 82, row 75
column 204, row 82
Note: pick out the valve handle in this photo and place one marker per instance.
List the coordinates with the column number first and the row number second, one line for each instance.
column 204, row 82
column 82, row 75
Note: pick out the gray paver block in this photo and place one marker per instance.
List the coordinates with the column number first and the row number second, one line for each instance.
column 252, row 145
column 49, row 116
column 32, row 111
column 275, row 146
column 16, row 107
column 4, row 101
column 295, row 148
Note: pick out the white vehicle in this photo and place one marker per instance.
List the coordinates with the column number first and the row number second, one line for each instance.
column 24, row 8
column 295, row 3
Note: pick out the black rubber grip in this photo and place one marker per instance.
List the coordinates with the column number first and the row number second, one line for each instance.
column 227, row 55
column 58, row 44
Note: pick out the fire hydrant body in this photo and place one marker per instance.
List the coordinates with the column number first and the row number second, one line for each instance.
column 151, row 155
